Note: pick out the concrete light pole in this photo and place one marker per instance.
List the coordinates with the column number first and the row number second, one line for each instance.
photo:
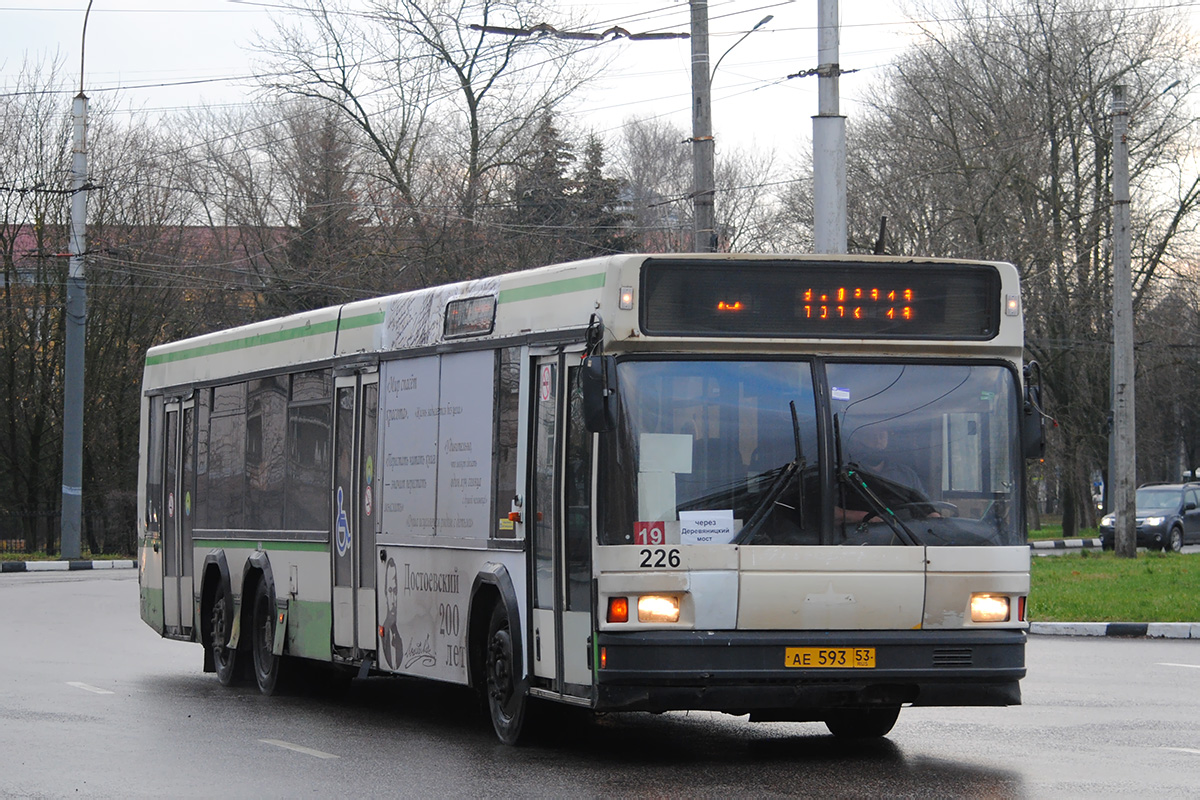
column 703, row 146
column 72, row 470
column 829, row 139
column 1124, row 477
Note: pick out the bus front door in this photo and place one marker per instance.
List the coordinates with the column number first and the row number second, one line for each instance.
column 560, row 525
column 356, row 418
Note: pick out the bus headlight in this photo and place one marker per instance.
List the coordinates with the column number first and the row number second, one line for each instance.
column 658, row 608
column 989, row 608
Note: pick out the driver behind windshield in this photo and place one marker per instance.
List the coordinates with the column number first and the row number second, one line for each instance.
column 871, row 454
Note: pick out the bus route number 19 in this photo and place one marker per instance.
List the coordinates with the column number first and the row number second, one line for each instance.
column 650, row 533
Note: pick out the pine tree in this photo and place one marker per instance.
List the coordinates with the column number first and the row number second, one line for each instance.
column 601, row 222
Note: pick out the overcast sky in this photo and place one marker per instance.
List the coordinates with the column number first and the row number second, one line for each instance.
column 170, row 53
column 194, row 46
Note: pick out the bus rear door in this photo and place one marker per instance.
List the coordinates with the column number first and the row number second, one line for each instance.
column 170, row 484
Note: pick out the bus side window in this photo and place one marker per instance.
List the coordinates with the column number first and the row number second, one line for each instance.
column 200, row 503
column 154, row 466
column 227, row 457
column 508, row 409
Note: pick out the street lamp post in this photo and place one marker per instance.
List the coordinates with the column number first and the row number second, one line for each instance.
column 1124, row 452
column 70, row 539
column 703, row 146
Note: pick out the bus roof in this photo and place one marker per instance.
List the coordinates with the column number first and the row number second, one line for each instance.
column 560, row 297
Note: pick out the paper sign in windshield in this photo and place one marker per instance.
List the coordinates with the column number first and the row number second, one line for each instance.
column 706, row 527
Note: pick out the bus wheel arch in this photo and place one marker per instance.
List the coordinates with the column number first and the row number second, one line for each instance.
column 217, row 611
column 497, row 654
column 258, row 620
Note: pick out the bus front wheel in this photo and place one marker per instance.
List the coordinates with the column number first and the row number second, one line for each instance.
column 505, row 698
column 266, row 663
column 862, row 723
column 220, row 617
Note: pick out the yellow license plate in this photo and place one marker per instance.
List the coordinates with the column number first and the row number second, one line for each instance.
column 829, row 657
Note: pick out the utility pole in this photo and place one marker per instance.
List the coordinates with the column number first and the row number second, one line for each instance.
column 1124, row 453
column 70, row 541
column 829, row 139
column 703, row 147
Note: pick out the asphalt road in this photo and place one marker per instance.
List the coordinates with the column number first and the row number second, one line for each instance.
column 93, row 703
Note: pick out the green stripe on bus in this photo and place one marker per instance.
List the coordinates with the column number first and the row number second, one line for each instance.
column 267, row 545
column 363, row 320
column 258, row 340
column 551, row 288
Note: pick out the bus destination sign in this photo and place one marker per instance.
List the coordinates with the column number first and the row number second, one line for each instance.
column 857, row 303
column 835, row 299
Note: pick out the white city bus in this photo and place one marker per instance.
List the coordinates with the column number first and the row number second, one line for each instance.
column 789, row 487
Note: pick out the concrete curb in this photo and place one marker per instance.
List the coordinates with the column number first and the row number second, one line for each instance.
column 1151, row 630
column 62, row 566
column 1065, row 544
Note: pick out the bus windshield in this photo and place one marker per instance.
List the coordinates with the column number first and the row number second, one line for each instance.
column 746, row 452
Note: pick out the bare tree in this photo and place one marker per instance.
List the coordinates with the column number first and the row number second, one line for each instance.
column 140, row 290
column 991, row 138
column 34, row 194
column 748, row 202
column 653, row 161
column 443, row 107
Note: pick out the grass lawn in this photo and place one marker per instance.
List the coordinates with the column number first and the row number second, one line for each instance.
column 1050, row 530
column 1099, row 587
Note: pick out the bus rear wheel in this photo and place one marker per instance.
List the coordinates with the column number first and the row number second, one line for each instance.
column 506, row 701
column 862, row 723
column 219, row 618
column 266, row 663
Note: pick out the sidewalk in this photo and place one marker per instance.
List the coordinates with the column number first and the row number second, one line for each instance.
column 1128, row 630
column 63, row 566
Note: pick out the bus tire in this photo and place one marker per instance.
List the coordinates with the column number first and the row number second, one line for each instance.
column 220, row 621
column 266, row 663
column 506, row 698
column 862, row 723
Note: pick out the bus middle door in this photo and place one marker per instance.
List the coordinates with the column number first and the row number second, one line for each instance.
column 356, row 417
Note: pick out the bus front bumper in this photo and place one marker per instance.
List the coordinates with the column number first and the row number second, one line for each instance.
column 742, row 672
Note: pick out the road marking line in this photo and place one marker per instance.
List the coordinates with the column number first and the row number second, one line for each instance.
column 88, row 687
column 1169, row 664
column 1183, row 750
column 308, row 751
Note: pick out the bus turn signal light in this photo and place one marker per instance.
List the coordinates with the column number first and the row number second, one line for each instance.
column 989, row 608
column 618, row 609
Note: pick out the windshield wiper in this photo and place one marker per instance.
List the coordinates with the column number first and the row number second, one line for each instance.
column 850, row 476
column 777, row 487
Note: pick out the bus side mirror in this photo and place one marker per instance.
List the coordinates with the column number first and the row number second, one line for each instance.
column 1033, row 425
column 600, row 393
